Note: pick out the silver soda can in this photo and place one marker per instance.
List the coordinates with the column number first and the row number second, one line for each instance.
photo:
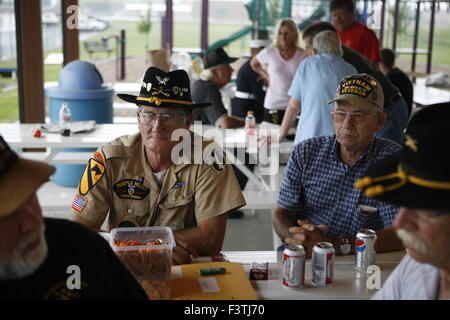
column 365, row 249
column 322, row 264
column 294, row 267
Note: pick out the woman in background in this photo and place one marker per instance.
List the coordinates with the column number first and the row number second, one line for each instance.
column 277, row 64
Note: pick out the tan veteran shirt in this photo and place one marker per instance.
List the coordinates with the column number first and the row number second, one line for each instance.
column 119, row 181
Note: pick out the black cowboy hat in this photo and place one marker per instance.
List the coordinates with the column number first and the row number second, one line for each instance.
column 216, row 57
column 419, row 175
column 165, row 90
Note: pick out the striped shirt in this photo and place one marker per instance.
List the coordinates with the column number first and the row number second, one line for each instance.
column 319, row 187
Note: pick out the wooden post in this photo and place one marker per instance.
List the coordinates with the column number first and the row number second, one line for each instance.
column 69, row 14
column 30, row 66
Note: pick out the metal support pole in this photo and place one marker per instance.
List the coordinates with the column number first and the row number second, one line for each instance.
column 416, row 37
column 122, row 54
column 383, row 10
column 258, row 19
column 431, row 36
column 394, row 35
column 204, row 28
column 167, row 27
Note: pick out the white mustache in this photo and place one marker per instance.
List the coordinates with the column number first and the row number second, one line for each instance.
column 348, row 132
column 411, row 240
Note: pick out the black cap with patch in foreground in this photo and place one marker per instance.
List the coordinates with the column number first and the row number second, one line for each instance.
column 19, row 178
column 165, row 90
column 419, row 175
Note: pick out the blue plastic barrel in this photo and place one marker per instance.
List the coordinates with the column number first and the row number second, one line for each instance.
column 80, row 84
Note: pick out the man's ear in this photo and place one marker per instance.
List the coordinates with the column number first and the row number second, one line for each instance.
column 382, row 117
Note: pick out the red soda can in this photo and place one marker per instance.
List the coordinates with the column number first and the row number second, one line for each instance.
column 322, row 264
column 294, row 267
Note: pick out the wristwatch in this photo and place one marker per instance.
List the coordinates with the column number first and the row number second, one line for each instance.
column 344, row 246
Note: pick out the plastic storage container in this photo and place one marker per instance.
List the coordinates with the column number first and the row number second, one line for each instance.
column 150, row 264
column 80, row 84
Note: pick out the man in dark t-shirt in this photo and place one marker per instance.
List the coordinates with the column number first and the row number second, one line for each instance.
column 51, row 258
column 250, row 92
column 397, row 76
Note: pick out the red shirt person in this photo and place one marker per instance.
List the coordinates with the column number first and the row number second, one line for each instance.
column 354, row 34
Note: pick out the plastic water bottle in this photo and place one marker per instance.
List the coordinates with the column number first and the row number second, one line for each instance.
column 250, row 124
column 65, row 117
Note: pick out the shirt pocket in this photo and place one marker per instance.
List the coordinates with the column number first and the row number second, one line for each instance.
column 369, row 217
column 129, row 213
column 177, row 212
column 176, row 200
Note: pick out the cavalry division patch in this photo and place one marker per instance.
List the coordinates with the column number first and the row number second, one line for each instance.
column 92, row 174
column 131, row 189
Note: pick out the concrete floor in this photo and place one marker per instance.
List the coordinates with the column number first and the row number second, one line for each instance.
column 252, row 232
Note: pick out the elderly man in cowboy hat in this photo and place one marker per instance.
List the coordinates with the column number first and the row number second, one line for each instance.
column 138, row 180
column 317, row 201
column 418, row 180
column 38, row 256
column 216, row 74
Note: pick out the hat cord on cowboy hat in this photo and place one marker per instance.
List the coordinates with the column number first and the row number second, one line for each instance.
column 403, row 176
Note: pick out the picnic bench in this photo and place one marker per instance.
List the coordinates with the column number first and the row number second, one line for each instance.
column 97, row 46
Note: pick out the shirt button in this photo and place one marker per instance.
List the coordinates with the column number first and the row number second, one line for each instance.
column 130, row 211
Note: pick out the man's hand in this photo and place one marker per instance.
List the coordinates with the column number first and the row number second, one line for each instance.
column 183, row 252
column 266, row 140
column 307, row 235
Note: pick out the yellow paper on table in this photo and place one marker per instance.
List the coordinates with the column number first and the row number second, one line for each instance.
column 187, row 283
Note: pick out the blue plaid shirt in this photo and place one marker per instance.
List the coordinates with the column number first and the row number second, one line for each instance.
column 320, row 187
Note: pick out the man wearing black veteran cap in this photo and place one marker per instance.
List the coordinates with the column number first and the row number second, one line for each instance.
column 36, row 253
column 317, row 199
column 418, row 180
column 144, row 179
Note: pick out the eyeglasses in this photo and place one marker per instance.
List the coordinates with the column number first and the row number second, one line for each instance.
column 340, row 116
column 147, row 118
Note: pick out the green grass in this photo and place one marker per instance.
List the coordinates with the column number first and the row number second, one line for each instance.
column 187, row 35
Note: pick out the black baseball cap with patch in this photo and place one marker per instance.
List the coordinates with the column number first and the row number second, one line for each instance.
column 419, row 175
column 19, row 178
column 361, row 90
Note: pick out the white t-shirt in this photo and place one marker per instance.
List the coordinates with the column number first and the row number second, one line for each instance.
column 160, row 176
column 411, row 280
column 281, row 72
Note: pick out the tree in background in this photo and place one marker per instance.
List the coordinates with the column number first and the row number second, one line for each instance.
column 145, row 26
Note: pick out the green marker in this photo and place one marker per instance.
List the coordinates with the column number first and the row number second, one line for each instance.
column 206, row 272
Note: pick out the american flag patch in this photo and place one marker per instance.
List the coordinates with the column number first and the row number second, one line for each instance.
column 78, row 203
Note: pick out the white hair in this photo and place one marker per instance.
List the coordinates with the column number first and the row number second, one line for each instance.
column 207, row 74
column 327, row 42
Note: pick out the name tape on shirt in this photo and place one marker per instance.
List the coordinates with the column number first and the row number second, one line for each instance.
column 92, row 174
